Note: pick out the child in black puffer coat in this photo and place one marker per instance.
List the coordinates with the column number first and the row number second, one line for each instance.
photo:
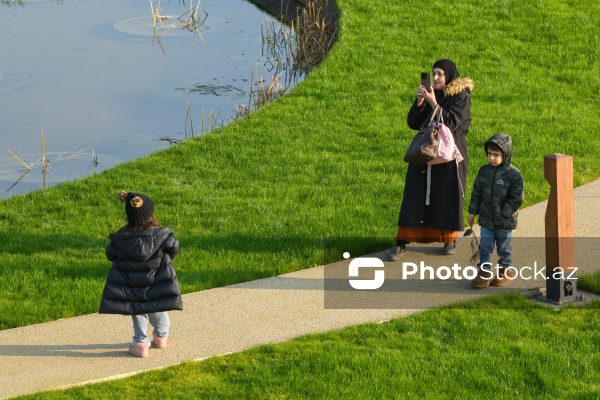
column 142, row 280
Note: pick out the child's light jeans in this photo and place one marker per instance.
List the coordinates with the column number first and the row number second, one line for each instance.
column 160, row 321
column 503, row 242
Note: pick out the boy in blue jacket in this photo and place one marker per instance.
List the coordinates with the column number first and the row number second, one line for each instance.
column 497, row 195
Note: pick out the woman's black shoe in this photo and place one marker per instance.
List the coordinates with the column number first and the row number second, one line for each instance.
column 396, row 253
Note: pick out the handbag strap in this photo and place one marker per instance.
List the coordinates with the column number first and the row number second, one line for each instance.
column 440, row 117
column 437, row 110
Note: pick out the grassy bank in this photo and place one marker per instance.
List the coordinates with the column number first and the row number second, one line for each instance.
column 256, row 198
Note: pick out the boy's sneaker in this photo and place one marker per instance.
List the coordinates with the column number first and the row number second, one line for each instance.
column 159, row 342
column 505, row 277
column 139, row 350
column 450, row 248
column 396, row 253
column 483, row 279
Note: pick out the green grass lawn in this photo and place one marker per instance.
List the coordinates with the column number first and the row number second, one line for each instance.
column 257, row 197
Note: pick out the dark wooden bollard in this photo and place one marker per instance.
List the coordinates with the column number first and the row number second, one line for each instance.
column 561, row 282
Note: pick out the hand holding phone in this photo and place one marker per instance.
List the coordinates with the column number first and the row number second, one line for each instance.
column 426, row 80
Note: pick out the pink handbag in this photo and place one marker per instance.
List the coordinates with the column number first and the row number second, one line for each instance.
column 447, row 149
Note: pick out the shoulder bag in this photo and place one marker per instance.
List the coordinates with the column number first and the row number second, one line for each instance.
column 433, row 144
column 424, row 145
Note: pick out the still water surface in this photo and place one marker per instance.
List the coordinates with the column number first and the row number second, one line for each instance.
column 92, row 76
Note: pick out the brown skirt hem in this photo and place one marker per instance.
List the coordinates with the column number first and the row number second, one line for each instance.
column 425, row 235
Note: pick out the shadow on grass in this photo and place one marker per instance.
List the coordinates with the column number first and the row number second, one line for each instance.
column 26, row 244
column 229, row 259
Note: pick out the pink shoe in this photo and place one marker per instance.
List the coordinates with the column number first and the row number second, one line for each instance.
column 139, row 350
column 159, row 342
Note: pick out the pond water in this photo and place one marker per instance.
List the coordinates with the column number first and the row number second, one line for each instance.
column 93, row 77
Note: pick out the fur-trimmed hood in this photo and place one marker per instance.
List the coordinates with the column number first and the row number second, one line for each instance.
column 457, row 86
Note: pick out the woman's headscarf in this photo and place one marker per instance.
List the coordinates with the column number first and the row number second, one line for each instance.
column 449, row 68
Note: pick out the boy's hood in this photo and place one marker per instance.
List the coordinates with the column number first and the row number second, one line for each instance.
column 503, row 141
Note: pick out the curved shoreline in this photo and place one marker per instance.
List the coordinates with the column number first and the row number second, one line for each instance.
column 287, row 9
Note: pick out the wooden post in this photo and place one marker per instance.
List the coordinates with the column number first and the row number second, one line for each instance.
column 561, row 283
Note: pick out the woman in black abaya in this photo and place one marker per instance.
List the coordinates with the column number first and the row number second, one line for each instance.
column 442, row 218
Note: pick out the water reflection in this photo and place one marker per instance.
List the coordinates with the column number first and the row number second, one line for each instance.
column 86, row 73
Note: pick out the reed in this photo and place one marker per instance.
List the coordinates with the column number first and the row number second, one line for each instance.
column 10, row 3
column 315, row 33
column 189, row 124
column 156, row 17
column 290, row 53
column 211, row 121
column 192, row 20
column 94, row 160
column 44, row 161
column 18, row 159
column 297, row 50
column 262, row 91
column 278, row 48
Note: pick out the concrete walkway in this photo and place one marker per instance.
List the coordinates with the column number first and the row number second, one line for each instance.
column 234, row 318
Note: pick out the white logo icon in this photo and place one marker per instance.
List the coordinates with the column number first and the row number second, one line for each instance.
column 366, row 262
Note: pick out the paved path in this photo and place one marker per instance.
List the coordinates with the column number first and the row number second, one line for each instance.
column 234, row 318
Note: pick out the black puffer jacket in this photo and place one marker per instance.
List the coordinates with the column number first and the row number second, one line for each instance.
column 498, row 191
column 142, row 278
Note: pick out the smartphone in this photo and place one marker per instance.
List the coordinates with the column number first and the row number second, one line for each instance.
column 425, row 80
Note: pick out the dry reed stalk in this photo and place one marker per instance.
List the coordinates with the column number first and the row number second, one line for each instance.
column 312, row 35
column 18, row 180
column 188, row 121
column 156, row 17
column 202, row 116
column 45, row 160
column 193, row 21
column 21, row 161
column 94, row 158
